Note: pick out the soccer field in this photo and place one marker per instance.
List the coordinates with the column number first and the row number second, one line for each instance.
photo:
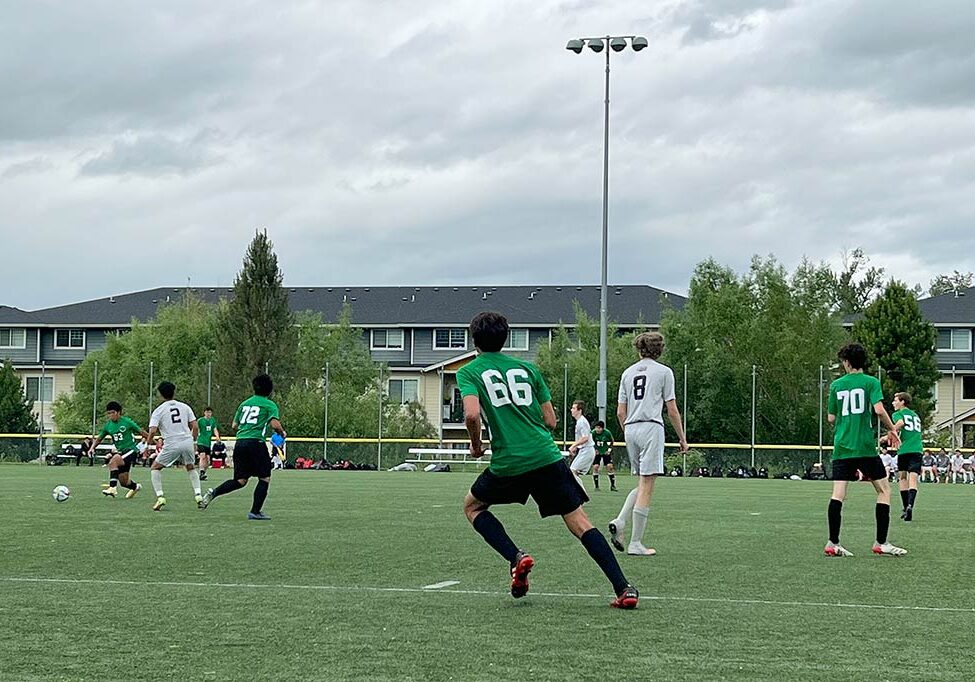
column 335, row 586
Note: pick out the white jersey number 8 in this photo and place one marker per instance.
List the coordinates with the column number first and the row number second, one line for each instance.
column 854, row 402
column 519, row 392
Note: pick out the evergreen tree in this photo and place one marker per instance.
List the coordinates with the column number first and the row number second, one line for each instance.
column 16, row 410
column 902, row 343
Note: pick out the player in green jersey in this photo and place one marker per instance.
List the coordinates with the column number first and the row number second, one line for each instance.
column 603, row 439
column 255, row 417
column 122, row 431
column 853, row 400
column 525, row 461
column 209, row 432
column 908, row 425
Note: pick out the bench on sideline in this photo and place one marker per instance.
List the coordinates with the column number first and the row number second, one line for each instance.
column 420, row 456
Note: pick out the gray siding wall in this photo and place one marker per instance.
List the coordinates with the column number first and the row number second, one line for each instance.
column 393, row 357
column 94, row 340
column 423, row 353
column 962, row 360
column 22, row 356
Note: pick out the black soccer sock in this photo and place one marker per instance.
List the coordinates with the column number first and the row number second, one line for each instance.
column 113, row 478
column 612, row 480
column 130, row 485
column 595, row 480
column 904, row 498
column 494, row 534
column 228, row 486
column 834, row 514
column 599, row 550
column 260, row 494
column 912, row 495
column 883, row 522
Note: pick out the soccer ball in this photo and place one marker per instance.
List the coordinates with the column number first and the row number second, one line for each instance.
column 61, row 493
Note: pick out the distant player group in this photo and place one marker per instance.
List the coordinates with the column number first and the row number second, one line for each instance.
column 510, row 397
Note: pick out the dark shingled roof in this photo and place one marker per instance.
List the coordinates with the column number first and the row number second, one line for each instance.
column 409, row 306
column 950, row 309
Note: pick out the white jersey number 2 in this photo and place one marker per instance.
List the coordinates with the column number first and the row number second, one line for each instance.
column 854, row 402
column 501, row 393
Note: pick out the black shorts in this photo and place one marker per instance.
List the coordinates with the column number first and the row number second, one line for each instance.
column 603, row 459
column 203, row 449
column 909, row 462
column 555, row 489
column 251, row 460
column 859, row 469
column 128, row 459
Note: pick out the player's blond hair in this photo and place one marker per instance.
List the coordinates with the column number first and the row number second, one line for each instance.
column 649, row 345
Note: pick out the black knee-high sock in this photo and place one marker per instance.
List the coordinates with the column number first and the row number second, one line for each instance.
column 228, row 486
column 260, row 494
column 905, row 498
column 612, row 480
column 595, row 480
column 494, row 534
column 599, row 550
column 113, row 478
column 130, row 485
column 883, row 521
column 912, row 495
column 834, row 514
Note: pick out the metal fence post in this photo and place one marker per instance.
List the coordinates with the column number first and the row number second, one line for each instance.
column 683, row 407
column 94, row 401
column 152, row 368
column 821, row 385
column 325, row 419
column 954, row 395
column 40, row 423
column 565, row 402
column 754, row 384
column 379, row 437
column 210, row 383
column 440, row 408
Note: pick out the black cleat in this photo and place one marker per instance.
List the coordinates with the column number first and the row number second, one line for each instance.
column 908, row 514
column 519, row 574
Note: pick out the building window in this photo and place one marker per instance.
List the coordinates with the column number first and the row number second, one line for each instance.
column 13, row 338
column 40, row 391
column 69, row 338
column 517, row 340
column 403, row 391
column 968, row 435
column 955, row 339
column 968, row 388
column 386, row 339
column 449, row 339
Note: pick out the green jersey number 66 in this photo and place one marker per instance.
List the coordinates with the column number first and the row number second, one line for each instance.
column 517, row 389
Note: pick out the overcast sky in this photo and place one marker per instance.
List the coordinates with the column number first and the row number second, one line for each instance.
column 415, row 142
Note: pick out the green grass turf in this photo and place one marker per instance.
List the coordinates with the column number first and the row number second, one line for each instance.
column 718, row 539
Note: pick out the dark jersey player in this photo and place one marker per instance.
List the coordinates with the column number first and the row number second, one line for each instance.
column 853, row 400
column 525, row 460
column 255, row 417
column 603, row 440
column 911, row 452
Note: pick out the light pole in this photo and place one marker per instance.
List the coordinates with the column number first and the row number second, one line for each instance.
column 615, row 44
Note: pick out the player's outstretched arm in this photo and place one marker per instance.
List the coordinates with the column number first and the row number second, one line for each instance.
column 472, row 421
column 673, row 412
column 893, row 434
column 216, row 435
column 276, row 426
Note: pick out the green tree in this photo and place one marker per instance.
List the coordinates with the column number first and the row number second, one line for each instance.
column 950, row 284
column 16, row 416
column 902, row 343
column 256, row 327
column 856, row 284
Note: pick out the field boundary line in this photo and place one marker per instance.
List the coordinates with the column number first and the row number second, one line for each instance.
column 490, row 593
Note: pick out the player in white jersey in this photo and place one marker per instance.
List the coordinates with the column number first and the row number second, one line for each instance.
column 583, row 448
column 645, row 389
column 176, row 423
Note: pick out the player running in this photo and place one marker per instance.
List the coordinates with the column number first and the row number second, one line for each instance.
column 853, row 400
column 646, row 387
column 255, row 416
column 909, row 454
column 582, row 448
column 525, row 462
column 122, row 431
column 176, row 423
column 602, row 438
column 209, row 432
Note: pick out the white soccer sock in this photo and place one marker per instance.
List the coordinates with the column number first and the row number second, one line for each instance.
column 640, row 516
column 155, row 475
column 195, row 481
column 626, row 511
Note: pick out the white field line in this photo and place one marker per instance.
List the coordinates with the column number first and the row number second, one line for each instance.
column 441, row 585
column 488, row 593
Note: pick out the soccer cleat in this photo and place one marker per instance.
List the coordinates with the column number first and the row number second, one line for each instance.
column 203, row 475
column 888, row 549
column 159, row 504
column 908, row 514
column 836, row 550
column 109, row 492
column 523, row 565
column 637, row 549
column 199, row 501
column 627, row 599
column 259, row 516
column 616, row 536
column 207, row 499
column 613, row 489
column 133, row 492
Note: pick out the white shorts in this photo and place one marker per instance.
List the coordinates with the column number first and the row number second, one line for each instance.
column 645, row 446
column 583, row 460
column 172, row 453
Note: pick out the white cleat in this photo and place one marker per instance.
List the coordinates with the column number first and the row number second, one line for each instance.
column 132, row 493
column 109, row 492
column 836, row 550
column 637, row 549
column 616, row 535
column 888, row 549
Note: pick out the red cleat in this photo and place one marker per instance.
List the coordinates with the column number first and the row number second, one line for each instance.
column 519, row 574
column 627, row 599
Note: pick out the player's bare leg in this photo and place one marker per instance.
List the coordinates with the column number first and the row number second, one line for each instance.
column 611, row 470
column 579, row 525
column 126, row 482
column 114, row 462
column 488, row 527
column 595, row 474
column 641, row 514
column 881, row 545
column 834, row 515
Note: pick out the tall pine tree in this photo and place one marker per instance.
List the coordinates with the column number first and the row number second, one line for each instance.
column 902, row 343
column 16, row 411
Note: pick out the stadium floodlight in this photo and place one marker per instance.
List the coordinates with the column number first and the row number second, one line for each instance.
column 615, row 44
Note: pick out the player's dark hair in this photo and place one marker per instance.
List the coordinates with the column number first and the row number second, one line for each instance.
column 855, row 354
column 208, row 409
column 167, row 390
column 598, row 424
column 581, row 404
column 489, row 331
column 113, row 407
column 649, row 345
column 904, row 397
column 263, row 386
